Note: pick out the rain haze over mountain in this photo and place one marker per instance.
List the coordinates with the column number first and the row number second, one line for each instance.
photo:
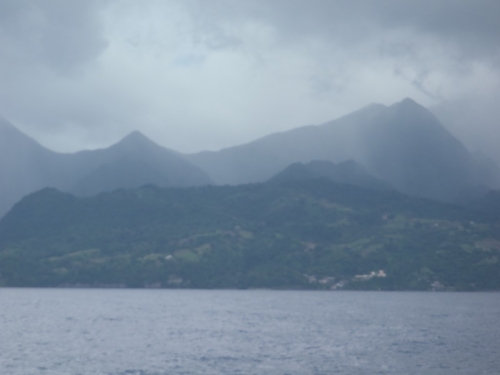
column 203, row 75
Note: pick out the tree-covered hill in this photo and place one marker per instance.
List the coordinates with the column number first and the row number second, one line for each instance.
column 346, row 172
column 298, row 234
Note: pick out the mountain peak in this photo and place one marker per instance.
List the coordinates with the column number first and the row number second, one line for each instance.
column 407, row 104
column 135, row 136
column 136, row 140
column 408, row 101
column 413, row 113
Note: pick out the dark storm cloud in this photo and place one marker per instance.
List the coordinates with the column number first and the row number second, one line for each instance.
column 58, row 34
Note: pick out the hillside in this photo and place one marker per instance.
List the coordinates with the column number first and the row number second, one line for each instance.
column 489, row 204
column 346, row 172
column 404, row 145
column 133, row 162
column 26, row 166
column 261, row 159
column 307, row 234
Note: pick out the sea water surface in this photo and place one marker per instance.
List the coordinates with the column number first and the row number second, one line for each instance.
column 157, row 332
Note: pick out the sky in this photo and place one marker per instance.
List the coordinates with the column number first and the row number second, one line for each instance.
column 194, row 75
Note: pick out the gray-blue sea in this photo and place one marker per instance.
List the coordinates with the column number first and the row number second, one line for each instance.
column 157, row 332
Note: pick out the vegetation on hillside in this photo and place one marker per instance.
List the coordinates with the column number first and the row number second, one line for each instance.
column 310, row 234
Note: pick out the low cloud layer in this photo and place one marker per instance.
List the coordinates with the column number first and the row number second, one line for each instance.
column 196, row 75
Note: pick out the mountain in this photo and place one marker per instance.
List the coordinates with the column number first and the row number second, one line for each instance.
column 305, row 234
column 26, row 166
column 259, row 160
column 488, row 204
column 346, row 172
column 407, row 146
column 403, row 144
column 133, row 162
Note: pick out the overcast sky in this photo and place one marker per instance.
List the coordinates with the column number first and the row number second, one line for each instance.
column 208, row 74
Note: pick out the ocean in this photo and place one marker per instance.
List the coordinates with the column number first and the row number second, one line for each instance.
column 159, row 332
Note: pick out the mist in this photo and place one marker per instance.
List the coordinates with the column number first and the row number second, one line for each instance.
column 196, row 76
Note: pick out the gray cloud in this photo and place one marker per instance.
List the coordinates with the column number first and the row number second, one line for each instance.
column 196, row 74
column 57, row 34
column 469, row 24
column 460, row 33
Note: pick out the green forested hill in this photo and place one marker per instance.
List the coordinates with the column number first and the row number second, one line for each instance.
column 301, row 234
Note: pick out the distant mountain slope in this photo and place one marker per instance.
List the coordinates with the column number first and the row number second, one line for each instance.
column 133, row 162
column 297, row 234
column 403, row 144
column 26, row 166
column 261, row 159
column 346, row 172
column 407, row 146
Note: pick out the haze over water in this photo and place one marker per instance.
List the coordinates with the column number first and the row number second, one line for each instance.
column 156, row 332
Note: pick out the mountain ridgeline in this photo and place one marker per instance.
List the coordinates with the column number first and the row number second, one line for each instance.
column 133, row 162
column 26, row 166
column 404, row 145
